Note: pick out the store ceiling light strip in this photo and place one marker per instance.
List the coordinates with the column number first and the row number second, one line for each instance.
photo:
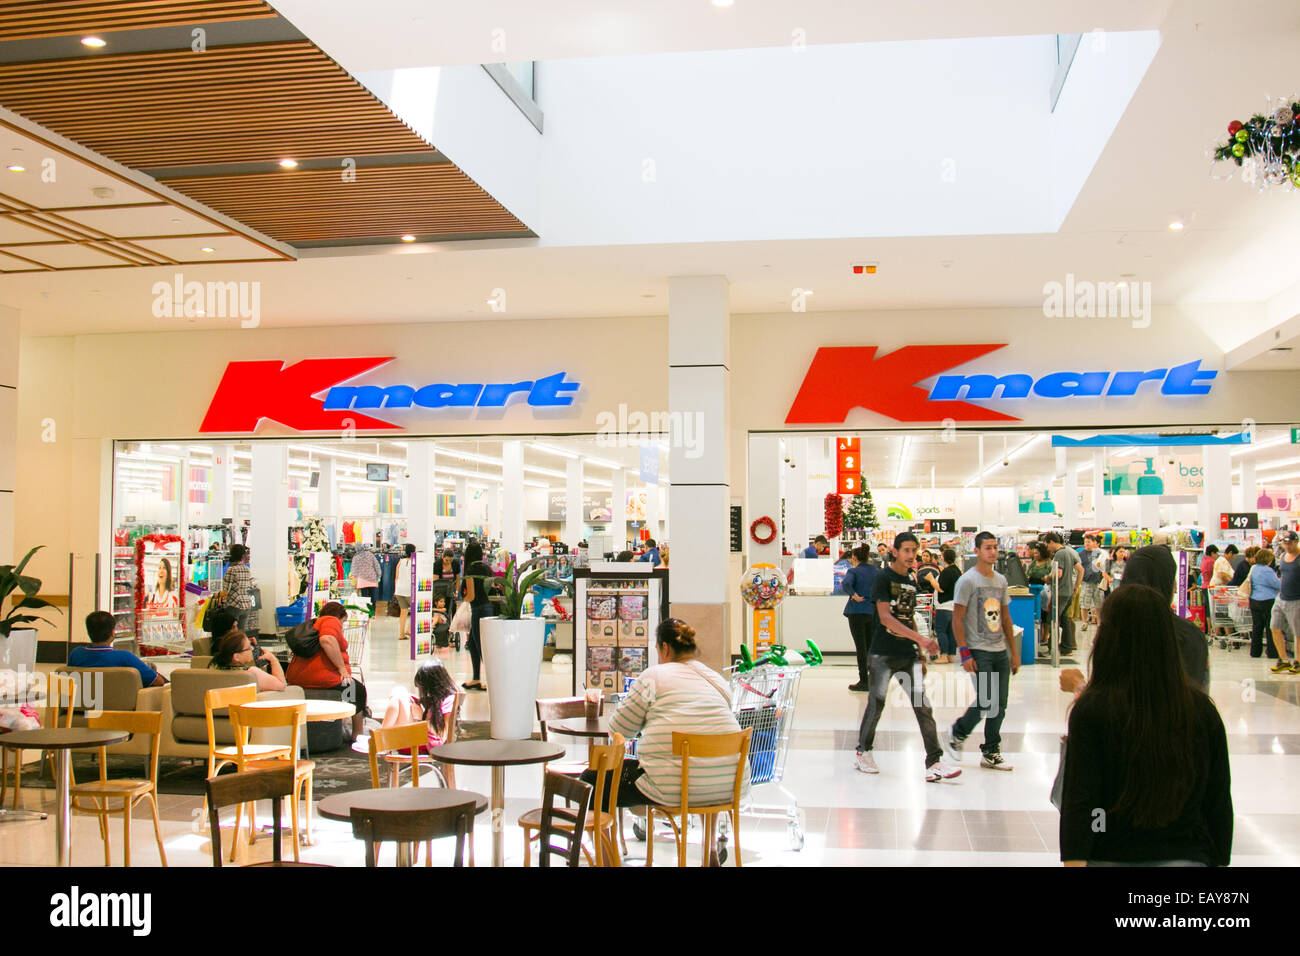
column 1260, row 446
column 1012, row 456
column 902, row 461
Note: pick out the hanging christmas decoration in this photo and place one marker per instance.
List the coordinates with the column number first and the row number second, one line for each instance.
column 1265, row 150
column 834, row 515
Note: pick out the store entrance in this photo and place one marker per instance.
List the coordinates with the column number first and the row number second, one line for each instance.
column 1129, row 487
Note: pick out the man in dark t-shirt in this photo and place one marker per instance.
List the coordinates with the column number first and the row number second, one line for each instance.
column 894, row 645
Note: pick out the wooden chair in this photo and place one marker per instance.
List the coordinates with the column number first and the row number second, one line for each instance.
column 249, row 787
column 563, row 822
column 290, row 714
column 220, row 755
column 570, row 708
column 61, row 698
column 701, row 746
column 447, row 772
column 391, row 741
column 130, row 792
column 607, row 762
column 413, row 826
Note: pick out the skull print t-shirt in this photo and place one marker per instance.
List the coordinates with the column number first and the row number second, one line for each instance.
column 985, row 601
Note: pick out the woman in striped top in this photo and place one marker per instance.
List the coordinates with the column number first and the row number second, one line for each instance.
column 679, row 695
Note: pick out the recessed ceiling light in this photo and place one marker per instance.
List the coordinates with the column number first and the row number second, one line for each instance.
column 1280, row 348
column 1176, row 225
column 207, row 249
column 15, row 168
column 647, row 295
column 94, row 42
column 408, row 238
column 287, row 163
column 176, row 219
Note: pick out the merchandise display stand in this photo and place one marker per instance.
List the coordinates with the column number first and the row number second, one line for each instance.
column 615, row 614
column 420, row 618
column 320, row 568
column 160, row 591
column 123, row 592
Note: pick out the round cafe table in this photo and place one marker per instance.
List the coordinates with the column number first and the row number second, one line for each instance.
column 581, row 727
column 316, row 710
column 497, row 754
column 339, row 806
column 61, row 740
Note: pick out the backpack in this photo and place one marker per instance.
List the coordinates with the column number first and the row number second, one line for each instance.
column 1091, row 573
column 303, row 640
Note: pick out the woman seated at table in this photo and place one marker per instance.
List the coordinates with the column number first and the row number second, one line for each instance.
column 233, row 651
column 678, row 695
column 433, row 702
column 330, row 667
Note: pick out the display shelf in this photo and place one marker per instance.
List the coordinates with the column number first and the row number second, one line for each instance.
column 615, row 614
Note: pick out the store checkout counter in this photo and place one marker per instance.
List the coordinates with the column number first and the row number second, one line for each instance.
column 815, row 609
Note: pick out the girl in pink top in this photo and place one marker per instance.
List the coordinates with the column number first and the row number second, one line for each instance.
column 433, row 701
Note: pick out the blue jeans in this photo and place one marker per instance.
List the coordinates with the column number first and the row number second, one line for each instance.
column 943, row 629
column 992, row 684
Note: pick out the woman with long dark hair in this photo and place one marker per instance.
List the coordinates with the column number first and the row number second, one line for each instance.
column 1146, row 770
column 432, row 703
column 474, row 589
column 233, row 651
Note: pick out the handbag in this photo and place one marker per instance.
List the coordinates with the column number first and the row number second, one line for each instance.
column 1058, row 785
column 462, row 620
column 255, row 597
column 303, row 640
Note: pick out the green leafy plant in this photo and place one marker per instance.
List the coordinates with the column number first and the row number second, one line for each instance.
column 514, row 588
column 12, row 579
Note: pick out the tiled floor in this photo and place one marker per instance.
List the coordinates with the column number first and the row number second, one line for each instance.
column 849, row 819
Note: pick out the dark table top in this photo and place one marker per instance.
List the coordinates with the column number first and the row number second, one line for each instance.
column 581, row 727
column 497, row 753
column 339, row 806
column 62, row 738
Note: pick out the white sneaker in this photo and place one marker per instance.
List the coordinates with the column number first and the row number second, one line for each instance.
column 941, row 771
column 954, row 744
column 865, row 763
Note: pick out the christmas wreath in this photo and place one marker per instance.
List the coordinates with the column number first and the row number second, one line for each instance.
column 763, row 522
column 834, row 515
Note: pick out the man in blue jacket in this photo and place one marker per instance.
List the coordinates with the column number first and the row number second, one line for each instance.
column 818, row 548
column 859, row 609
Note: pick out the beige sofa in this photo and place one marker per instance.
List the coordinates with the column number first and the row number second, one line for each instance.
column 184, row 726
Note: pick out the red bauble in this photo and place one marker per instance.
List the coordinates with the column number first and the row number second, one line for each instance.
column 1233, row 127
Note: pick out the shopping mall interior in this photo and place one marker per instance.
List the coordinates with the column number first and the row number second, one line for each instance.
column 297, row 301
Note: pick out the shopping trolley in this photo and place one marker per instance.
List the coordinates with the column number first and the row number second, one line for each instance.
column 1230, row 611
column 356, row 631
column 764, row 700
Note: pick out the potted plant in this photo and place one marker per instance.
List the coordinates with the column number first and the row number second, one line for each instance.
column 512, row 656
column 19, row 649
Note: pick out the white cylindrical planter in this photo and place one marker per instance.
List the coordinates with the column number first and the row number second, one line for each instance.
column 512, row 664
column 18, row 650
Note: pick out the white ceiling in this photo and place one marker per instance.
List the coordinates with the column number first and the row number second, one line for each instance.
column 1213, row 64
column 407, row 33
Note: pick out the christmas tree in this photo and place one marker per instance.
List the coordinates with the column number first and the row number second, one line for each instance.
column 861, row 512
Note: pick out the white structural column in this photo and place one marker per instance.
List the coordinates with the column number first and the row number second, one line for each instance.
column 765, row 471
column 1101, row 501
column 512, row 507
column 8, row 429
column 1217, row 497
column 618, row 508
column 699, row 389
column 1249, row 490
column 462, row 521
column 492, row 519
column 419, row 501
column 798, row 523
column 269, row 527
column 223, row 484
column 327, row 489
column 1069, row 508
column 572, row 501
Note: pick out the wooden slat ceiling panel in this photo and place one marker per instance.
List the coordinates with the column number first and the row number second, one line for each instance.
column 253, row 103
column 32, row 19
column 383, row 202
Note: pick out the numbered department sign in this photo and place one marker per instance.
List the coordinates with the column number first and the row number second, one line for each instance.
column 849, row 444
column 1239, row 520
column 940, row 525
column 848, row 483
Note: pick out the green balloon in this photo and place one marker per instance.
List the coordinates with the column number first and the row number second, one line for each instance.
column 1242, row 136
